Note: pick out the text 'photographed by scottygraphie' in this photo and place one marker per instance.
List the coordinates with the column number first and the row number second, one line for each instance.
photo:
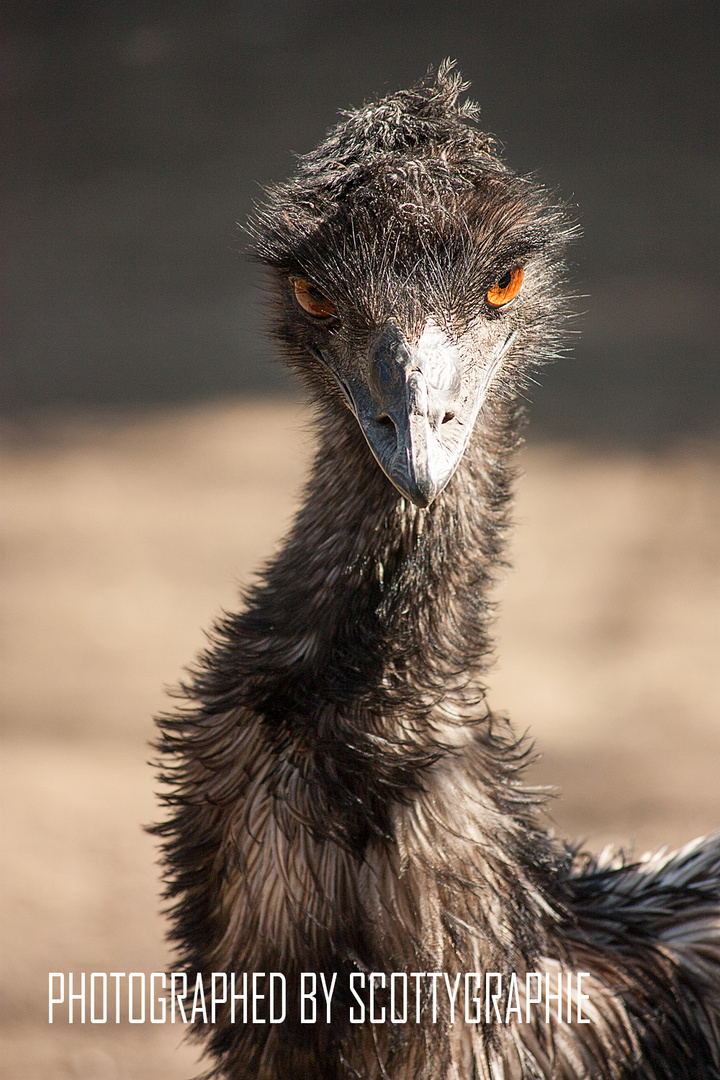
column 341, row 798
column 261, row 997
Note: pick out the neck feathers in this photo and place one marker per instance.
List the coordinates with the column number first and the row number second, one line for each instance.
column 365, row 643
column 373, row 606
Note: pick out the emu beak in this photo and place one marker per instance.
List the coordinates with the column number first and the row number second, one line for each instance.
column 417, row 411
column 412, row 393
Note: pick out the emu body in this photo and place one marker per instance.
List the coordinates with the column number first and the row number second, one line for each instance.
column 342, row 799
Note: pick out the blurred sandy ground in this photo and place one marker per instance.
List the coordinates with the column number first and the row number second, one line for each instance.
column 122, row 541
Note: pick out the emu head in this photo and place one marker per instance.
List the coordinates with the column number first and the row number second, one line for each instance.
column 415, row 277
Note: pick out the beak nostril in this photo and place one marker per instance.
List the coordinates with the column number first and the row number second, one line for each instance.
column 384, row 420
column 450, row 415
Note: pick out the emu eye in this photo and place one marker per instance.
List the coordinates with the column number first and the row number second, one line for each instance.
column 506, row 289
column 312, row 301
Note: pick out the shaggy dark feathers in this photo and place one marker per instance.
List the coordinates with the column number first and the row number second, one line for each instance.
column 341, row 798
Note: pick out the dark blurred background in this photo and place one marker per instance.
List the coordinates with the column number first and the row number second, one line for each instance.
column 136, row 134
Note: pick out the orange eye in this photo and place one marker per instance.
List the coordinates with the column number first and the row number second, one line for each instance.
column 506, row 288
column 312, row 301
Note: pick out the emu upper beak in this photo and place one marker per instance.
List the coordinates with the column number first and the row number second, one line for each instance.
column 417, row 411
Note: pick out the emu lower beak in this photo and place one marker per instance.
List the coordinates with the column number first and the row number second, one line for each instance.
column 418, row 409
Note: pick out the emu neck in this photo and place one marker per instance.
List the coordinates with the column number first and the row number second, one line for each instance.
column 374, row 607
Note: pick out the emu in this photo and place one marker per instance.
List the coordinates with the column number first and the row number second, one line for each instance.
column 342, row 800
